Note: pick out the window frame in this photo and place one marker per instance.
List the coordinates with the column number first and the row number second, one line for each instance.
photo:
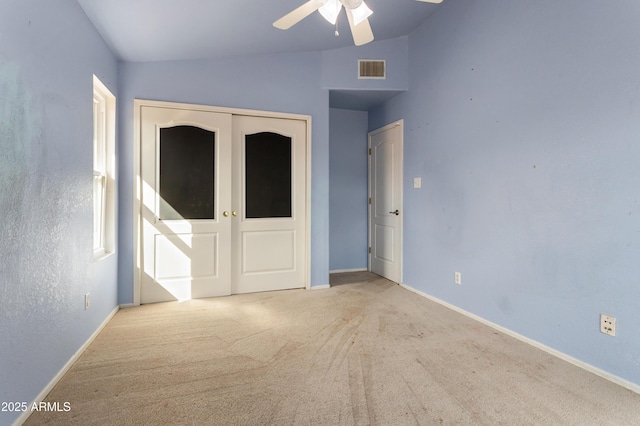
column 104, row 113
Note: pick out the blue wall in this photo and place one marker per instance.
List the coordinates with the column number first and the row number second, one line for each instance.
column 348, row 189
column 49, row 52
column 340, row 66
column 523, row 120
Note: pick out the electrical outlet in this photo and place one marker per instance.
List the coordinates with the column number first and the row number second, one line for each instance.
column 457, row 278
column 87, row 301
column 608, row 324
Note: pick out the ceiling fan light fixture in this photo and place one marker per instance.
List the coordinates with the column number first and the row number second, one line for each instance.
column 361, row 13
column 330, row 11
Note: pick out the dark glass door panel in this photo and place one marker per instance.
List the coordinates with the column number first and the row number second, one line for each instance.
column 268, row 175
column 187, row 173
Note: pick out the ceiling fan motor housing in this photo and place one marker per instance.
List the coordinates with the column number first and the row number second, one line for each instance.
column 351, row 4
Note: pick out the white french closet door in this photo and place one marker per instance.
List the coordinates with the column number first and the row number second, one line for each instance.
column 185, row 173
column 223, row 203
column 269, row 187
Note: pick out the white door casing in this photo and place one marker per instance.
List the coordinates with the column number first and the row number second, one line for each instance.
column 178, row 258
column 385, row 208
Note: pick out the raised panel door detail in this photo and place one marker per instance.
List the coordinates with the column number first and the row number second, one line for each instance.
column 383, row 243
column 384, row 179
column 186, row 255
column 268, row 251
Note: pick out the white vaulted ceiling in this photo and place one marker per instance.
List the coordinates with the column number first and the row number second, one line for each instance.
column 164, row 30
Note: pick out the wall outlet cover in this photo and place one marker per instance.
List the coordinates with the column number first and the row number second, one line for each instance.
column 608, row 324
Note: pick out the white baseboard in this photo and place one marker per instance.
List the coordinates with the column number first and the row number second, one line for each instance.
column 339, row 271
column 581, row 364
column 43, row 394
column 128, row 305
column 319, row 287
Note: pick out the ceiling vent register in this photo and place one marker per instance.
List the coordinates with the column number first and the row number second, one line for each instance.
column 369, row 68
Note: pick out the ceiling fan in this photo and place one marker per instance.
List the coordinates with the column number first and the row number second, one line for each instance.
column 357, row 15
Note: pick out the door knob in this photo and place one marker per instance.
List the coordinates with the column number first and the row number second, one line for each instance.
column 225, row 214
column 234, row 214
column 397, row 212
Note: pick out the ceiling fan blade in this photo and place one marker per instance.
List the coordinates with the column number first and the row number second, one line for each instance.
column 431, row 1
column 297, row 15
column 362, row 33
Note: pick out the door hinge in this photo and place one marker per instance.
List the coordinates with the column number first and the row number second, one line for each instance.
column 369, row 200
column 369, row 151
column 369, row 250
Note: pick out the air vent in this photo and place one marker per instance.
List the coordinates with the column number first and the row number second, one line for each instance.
column 368, row 68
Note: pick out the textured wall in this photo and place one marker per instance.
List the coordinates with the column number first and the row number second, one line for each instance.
column 48, row 54
column 348, row 189
column 522, row 119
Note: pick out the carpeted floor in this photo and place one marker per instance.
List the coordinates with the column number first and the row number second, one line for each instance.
column 363, row 353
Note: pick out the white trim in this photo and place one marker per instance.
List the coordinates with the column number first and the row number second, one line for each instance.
column 43, row 394
column 340, row 271
column 308, row 206
column 137, row 106
column 219, row 109
column 578, row 363
column 137, row 206
column 320, row 287
column 104, row 255
column 127, row 305
column 398, row 123
column 107, row 169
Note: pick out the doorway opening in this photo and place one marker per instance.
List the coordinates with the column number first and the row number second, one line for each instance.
column 349, row 178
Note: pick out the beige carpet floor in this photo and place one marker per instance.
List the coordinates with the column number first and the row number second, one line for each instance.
column 365, row 353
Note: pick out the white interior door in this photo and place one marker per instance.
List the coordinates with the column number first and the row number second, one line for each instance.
column 185, row 173
column 269, row 196
column 385, row 209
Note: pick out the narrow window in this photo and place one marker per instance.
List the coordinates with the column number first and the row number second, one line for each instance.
column 103, row 169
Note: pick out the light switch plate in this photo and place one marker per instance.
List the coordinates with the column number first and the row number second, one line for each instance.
column 417, row 182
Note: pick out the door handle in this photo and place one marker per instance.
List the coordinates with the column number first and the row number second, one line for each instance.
column 234, row 214
column 225, row 214
column 397, row 212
